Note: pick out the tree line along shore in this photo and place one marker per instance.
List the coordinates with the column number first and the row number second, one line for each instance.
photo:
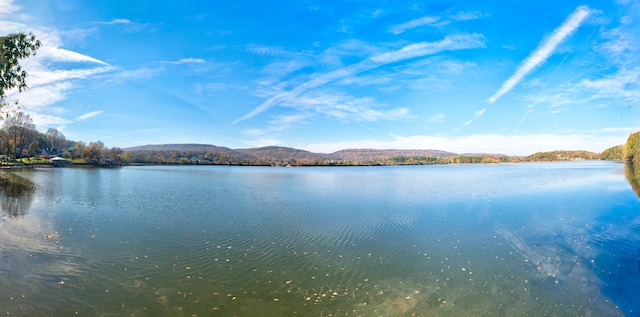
column 21, row 144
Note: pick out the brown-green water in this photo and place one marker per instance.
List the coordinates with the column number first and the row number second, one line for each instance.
column 554, row 239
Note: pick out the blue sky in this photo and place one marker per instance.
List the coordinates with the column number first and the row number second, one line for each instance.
column 510, row 77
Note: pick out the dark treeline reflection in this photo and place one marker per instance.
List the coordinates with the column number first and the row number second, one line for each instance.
column 629, row 173
column 16, row 194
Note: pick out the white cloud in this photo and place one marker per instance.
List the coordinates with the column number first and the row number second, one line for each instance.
column 435, row 21
column 426, row 20
column 134, row 74
column 282, row 68
column 623, row 85
column 328, row 105
column 272, row 51
column 49, row 76
column 45, row 77
column 189, row 61
column 7, row 7
column 476, row 115
column 543, row 51
column 437, row 118
column 467, row 15
column 456, row 42
column 39, row 97
column 61, row 55
column 284, row 122
column 449, row 43
column 89, row 115
column 78, row 35
column 7, row 27
column 44, row 120
column 116, row 21
column 347, row 108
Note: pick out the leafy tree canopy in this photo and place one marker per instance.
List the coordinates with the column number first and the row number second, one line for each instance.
column 14, row 47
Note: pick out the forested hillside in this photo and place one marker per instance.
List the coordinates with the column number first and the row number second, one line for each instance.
column 613, row 153
column 283, row 156
column 562, row 156
column 632, row 153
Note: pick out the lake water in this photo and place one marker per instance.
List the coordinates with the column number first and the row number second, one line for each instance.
column 539, row 239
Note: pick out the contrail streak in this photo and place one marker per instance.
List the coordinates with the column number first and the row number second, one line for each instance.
column 543, row 51
column 530, row 107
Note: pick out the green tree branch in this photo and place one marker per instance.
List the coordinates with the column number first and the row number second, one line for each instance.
column 14, row 47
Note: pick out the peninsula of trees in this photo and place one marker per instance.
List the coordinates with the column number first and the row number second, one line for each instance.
column 631, row 153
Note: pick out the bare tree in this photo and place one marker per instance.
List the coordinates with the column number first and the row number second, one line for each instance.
column 56, row 139
column 20, row 131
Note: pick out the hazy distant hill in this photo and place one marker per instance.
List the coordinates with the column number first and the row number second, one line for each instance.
column 563, row 156
column 284, row 153
column 483, row 154
column 280, row 153
column 370, row 154
column 179, row 147
column 277, row 155
column 183, row 150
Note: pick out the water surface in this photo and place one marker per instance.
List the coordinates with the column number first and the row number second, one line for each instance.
column 457, row 240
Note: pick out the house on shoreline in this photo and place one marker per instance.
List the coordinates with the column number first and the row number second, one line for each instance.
column 59, row 161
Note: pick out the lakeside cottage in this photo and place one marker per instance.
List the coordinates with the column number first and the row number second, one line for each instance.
column 59, row 161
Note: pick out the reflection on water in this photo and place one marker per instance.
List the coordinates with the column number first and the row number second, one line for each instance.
column 510, row 240
column 16, row 194
column 629, row 173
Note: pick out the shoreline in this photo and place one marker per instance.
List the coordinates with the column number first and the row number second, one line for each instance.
column 336, row 164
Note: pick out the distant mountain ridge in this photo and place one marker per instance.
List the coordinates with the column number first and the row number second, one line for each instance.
column 178, row 147
column 285, row 156
column 283, row 153
column 372, row 154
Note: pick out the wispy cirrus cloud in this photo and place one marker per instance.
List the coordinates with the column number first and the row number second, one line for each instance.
column 321, row 105
column 348, row 108
column 274, row 51
column 476, row 115
column 39, row 97
column 89, row 115
column 449, row 43
column 50, row 77
column 115, row 21
column 45, row 77
column 7, row 7
column 468, row 15
column 42, row 119
column 57, row 54
column 436, row 21
column 189, row 60
column 278, row 124
column 437, row 118
column 402, row 27
column 543, row 51
column 624, row 85
column 619, row 88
